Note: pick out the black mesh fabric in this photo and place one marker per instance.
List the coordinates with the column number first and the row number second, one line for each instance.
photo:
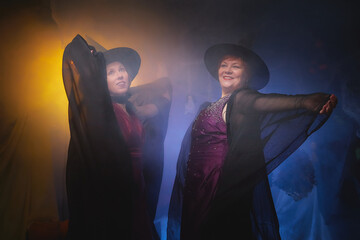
column 155, row 128
column 99, row 171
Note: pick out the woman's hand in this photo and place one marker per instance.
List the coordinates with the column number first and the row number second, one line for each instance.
column 315, row 102
column 329, row 105
column 146, row 111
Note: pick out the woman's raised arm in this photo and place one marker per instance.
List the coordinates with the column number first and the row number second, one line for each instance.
column 251, row 101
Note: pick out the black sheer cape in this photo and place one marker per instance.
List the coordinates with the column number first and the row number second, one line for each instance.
column 155, row 132
column 99, row 171
column 99, row 168
column 263, row 130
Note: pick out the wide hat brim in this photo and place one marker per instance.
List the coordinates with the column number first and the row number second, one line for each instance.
column 127, row 56
column 258, row 69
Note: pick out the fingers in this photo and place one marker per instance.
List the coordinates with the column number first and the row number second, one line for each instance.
column 329, row 105
column 324, row 108
column 333, row 100
column 329, row 108
column 332, row 103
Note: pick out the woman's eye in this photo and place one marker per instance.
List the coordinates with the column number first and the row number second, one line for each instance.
column 223, row 65
column 110, row 72
column 236, row 66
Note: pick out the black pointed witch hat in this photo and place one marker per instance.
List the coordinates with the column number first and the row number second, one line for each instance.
column 127, row 56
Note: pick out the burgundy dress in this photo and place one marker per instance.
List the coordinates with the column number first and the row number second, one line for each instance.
column 132, row 131
column 207, row 153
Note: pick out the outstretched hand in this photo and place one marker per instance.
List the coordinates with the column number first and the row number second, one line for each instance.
column 329, row 105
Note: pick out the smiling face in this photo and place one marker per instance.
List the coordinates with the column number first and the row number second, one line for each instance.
column 233, row 74
column 117, row 79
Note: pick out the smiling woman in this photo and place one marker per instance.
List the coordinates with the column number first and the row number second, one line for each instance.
column 117, row 79
column 233, row 74
column 221, row 189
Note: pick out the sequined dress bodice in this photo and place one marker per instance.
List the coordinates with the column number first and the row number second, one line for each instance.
column 209, row 131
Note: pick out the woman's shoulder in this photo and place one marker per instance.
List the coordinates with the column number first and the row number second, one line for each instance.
column 244, row 91
column 243, row 94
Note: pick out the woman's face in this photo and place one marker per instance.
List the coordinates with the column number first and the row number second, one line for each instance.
column 117, row 79
column 232, row 74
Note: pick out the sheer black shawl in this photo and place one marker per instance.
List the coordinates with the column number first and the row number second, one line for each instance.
column 99, row 170
column 155, row 132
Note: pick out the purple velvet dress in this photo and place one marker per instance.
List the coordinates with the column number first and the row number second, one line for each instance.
column 207, row 154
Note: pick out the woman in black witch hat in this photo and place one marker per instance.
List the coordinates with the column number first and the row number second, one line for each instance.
column 105, row 183
column 221, row 189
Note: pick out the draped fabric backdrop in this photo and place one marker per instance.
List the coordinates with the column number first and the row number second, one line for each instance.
column 33, row 122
